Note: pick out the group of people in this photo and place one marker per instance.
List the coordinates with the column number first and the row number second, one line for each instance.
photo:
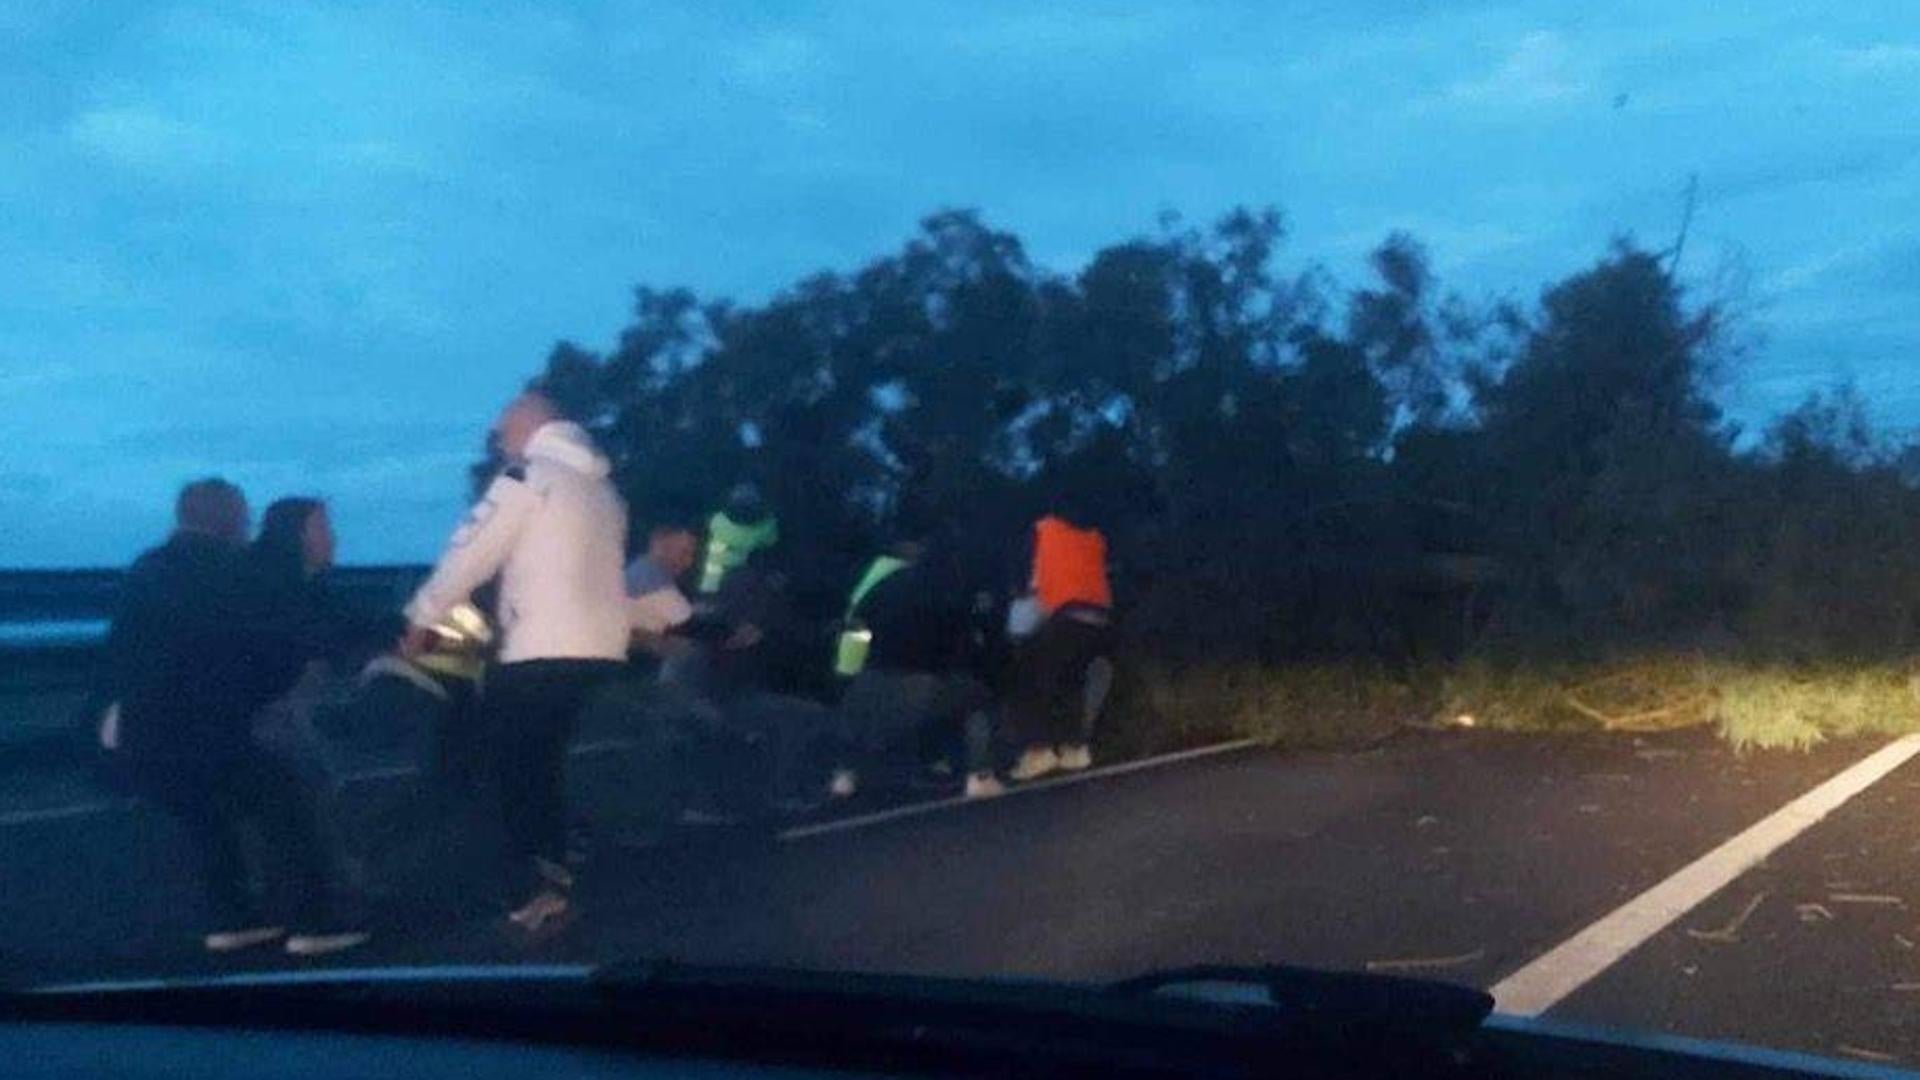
column 213, row 632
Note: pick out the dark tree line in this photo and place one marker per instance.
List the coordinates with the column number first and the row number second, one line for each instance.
column 1286, row 468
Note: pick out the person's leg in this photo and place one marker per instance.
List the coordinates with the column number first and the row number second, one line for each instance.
column 530, row 721
column 1045, row 668
column 1087, row 678
column 546, row 699
column 963, row 712
column 266, row 789
column 234, row 916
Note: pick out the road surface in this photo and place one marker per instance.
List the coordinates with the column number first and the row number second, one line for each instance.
column 1467, row 856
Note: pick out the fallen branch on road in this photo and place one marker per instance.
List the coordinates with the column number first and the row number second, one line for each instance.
column 1730, row 933
column 1425, row 963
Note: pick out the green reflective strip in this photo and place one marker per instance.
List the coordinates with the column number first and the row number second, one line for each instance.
column 878, row 571
column 850, row 651
column 730, row 544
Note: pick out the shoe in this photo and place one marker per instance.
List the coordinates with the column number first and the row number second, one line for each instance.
column 544, row 910
column 225, row 941
column 844, row 783
column 1037, row 762
column 1076, row 757
column 326, row 944
column 984, row 785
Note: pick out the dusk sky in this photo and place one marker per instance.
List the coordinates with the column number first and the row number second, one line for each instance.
column 313, row 248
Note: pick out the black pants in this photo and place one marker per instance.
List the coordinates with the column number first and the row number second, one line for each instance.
column 214, row 801
column 533, row 706
column 936, row 714
column 1051, row 680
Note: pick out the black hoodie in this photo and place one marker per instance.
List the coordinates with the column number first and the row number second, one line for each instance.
column 179, row 654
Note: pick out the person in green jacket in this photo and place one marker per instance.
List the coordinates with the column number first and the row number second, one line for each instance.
column 737, row 531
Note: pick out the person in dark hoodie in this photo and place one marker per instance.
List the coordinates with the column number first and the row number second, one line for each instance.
column 307, row 638
column 184, row 670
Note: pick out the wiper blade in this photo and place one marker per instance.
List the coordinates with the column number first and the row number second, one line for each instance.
column 1339, row 998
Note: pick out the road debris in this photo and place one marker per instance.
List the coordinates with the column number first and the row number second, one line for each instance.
column 1905, row 987
column 1881, row 899
column 1425, row 820
column 1864, row 1054
column 1426, row 963
column 1730, row 933
column 1903, row 941
column 1813, row 913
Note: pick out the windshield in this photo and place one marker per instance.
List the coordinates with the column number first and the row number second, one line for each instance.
column 971, row 491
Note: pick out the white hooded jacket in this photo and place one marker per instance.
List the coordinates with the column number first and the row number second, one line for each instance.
column 555, row 531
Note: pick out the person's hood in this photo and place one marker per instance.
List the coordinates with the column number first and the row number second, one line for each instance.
column 568, row 444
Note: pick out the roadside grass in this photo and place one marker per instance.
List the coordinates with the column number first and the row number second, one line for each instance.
column 1772, row 708
column 1752, row 706
column 1159, row 708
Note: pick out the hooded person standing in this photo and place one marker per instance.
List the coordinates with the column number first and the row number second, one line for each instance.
column 552, row 527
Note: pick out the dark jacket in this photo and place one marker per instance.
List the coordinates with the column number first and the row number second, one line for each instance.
column 302, row 619
column 920, row 620
column 180, row 652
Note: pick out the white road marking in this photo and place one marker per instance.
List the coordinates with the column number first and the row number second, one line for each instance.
column 391, row 772
column 881, row 817
column 58, row 813
column 1554, row 975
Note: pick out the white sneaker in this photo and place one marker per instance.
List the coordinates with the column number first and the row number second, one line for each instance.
column 540, row 912
column 1076, row 757
column 324, row 944
column 844, row 783
column 225, row 941
column 984, row 785
column 1037, row 762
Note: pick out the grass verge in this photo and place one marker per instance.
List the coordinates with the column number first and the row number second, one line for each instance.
column 1753, row 706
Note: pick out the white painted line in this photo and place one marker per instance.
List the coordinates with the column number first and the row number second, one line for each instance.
column 391, row 772
column 897, row 813
column 1557, row 973
column 58, row 813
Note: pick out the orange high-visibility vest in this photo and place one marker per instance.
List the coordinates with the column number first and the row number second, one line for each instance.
column 1069, row 566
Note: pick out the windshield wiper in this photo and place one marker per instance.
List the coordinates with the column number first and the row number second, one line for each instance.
column 1341, row 998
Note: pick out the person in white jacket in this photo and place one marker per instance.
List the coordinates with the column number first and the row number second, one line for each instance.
column 554, row 530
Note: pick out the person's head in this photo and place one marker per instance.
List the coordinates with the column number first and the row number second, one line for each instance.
column 212, row 507
column 297, row 534
column 673, row 546
column 916, row 530
column 1073, row 505
column 745, row 504
column 522, row 417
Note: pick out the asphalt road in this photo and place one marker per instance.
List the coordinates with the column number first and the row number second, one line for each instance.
column 1460, row 856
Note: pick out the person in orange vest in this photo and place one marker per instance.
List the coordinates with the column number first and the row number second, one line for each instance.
column 1063, row 668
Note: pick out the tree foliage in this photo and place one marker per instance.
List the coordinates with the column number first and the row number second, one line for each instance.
column 1285, row 467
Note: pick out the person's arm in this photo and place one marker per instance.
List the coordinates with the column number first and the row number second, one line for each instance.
column 127, row 644
column 478, row 549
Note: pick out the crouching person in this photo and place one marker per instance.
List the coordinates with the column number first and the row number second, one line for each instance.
column 905, row 647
